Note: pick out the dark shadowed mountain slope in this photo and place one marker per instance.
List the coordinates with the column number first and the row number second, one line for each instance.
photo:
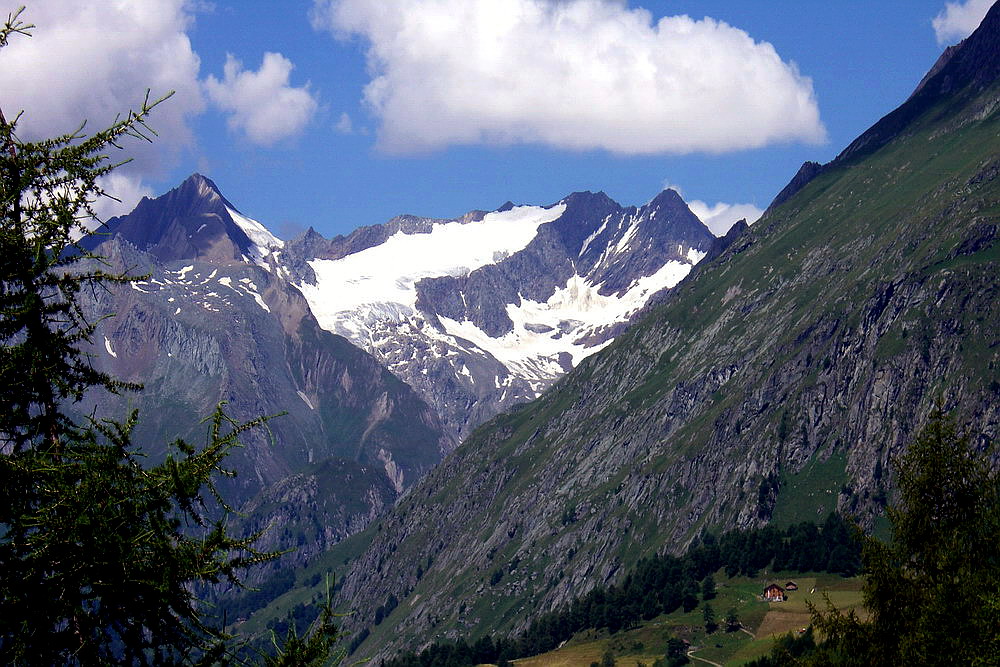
column 208, row 324
column 777, row 383
column 191, row 222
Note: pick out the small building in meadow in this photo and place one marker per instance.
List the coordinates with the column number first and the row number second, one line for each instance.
column 791, row 586
column 774, row 593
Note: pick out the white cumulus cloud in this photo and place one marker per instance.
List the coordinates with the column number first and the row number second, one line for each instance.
column 262, row 104
column 721, row 216
column 959, row 19
column 344, row 124
column 94, row 60
column 574, row 74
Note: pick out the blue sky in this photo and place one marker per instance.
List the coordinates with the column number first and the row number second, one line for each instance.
column 477, row 101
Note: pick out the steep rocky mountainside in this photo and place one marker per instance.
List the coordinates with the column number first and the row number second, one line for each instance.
column 508, row 302
column 486, row 311
column 778, row 382
column 212, row 322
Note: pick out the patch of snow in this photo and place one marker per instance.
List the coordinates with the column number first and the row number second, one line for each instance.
column 379, row 283
column 542, row 331
column 306, row 399
column 250, row 288
column 183, row 272
column 589, row 240
column 260, row 302
column 626, row 238
column 107, row 346
column 135, row 286
column 226, row 281
column 178, row 311
column 258, row 234
column 695, row 255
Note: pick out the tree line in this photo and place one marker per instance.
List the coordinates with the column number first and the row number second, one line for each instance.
column 661, row 585
column 932, row 592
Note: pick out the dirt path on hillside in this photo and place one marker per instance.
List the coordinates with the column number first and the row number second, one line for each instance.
column 694, row 657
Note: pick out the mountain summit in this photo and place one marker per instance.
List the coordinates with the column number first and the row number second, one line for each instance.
column 214, row 322
column 193, row 222
column 486, row 311
column 778, row 383
column 477, row 313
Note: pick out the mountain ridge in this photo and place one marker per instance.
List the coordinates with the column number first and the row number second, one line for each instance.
column 977, row 66
column 213, row 322
column 774, row 384
column 222, row 317
column 478, row 333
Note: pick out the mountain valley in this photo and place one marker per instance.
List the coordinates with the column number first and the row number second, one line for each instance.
column 458, row 319
column 777, row 384
column 244, row 425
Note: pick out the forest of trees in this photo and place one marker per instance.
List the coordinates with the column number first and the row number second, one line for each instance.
column 662, row 585
column 931, row 593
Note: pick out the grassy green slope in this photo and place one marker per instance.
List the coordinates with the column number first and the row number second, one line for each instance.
column 762, row 623
column 773, row 384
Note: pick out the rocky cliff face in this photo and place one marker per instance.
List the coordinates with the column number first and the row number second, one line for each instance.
column 776, row 384
column 313, row 509
column 488, row 310
column 213, row 322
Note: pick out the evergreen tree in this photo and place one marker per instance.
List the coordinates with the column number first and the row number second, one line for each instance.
column 933, row 592
column 98, row 552
column 676, row 653
column 732, row 621
column 708, row 588
column 708, row 615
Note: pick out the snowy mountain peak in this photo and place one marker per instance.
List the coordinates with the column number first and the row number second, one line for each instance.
column 477, row 313
column 194, row 221
column 484, row 311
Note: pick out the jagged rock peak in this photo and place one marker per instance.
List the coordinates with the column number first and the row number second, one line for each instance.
column 193, row 221
column 588, row 198
column 973, row 66
column 202, row 185
column 668, row 197
column 807, row 172
column 310, row 234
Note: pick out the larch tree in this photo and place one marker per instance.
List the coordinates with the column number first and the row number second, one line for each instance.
column 99, row 550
